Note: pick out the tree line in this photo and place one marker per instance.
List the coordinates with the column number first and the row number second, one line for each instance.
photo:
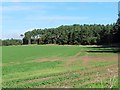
column 11, row 41
column 71, row 34
column 75, row 35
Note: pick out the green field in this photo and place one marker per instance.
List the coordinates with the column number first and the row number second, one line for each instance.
column 42, row 66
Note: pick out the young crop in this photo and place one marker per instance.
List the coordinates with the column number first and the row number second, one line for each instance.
column 58, row 66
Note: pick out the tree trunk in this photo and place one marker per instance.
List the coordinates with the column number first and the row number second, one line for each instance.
column 38, row 41
column 29, row 41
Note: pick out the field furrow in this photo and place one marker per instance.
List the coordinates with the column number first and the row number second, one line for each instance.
column 58, row 67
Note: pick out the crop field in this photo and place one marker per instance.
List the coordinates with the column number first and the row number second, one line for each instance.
column 57, row 66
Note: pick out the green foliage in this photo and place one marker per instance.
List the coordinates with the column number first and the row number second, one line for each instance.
column 0, row 42
column 72, row 35
column 8, row 42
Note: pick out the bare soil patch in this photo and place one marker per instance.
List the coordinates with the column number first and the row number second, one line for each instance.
column 72, row 59
column 87, row 59
column 47, row 59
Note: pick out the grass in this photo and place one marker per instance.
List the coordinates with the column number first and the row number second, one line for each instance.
column 26, row 53
column 58, row 66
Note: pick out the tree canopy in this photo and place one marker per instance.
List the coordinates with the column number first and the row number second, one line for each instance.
column 74, row 35
column 12, row 41
column 95, row 34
